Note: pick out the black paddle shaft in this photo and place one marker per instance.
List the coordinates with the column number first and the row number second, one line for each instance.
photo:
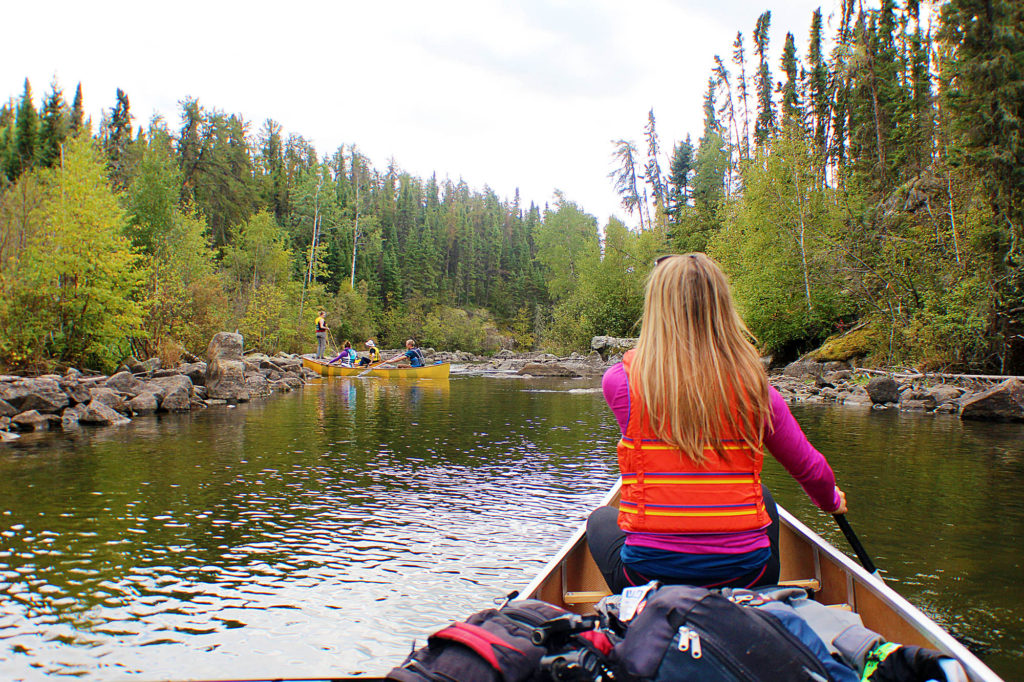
column 858, row 548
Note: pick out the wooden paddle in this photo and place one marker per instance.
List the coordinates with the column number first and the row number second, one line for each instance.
column 858, row 548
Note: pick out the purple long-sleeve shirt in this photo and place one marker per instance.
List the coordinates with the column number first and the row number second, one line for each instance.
column 786, row 442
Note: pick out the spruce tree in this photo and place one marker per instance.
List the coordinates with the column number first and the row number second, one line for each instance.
column 117, row 138
column 791, row 111
column 77, row 111
column 26, row 135
column 680, row 170
column 55, row 126
column 817, row 87
column 766, row 120
column 653, row 169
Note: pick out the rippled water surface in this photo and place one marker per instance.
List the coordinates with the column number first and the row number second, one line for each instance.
column 320, row 532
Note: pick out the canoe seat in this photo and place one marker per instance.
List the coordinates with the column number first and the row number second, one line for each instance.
column 584, row 597
column 812, row 585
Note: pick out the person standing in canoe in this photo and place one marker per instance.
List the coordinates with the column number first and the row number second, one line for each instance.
column 414, row 354
column 373, row 355
column 321, row 334
column 696, row 413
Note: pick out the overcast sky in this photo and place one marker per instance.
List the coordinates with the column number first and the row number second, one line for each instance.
column 524, row 94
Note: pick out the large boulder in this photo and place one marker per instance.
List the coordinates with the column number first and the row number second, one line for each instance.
column 883, row 390
column 257, row 384
column 177, row 399
column 548, row 369
column 1004, row 403
column 804, row 368
column 6, row 409
column 32, row 420
column 42, row 395
column 143, row 403
column 108, row 397
column 97, row 412
column 195, row 371
column 225, row 369
column 168, row 384
column 124, row 382
column 76, row 391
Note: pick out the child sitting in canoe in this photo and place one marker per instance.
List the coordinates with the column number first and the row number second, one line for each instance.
column 346, row 358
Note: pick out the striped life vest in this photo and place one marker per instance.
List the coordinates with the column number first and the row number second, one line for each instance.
column 663, row 491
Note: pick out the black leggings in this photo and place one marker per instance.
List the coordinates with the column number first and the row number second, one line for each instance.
column 605, row 539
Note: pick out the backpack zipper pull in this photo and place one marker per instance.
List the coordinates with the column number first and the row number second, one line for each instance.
column 695, row 644
column 684, row 638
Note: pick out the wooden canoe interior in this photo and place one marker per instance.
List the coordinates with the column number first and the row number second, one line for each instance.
column 577, row 585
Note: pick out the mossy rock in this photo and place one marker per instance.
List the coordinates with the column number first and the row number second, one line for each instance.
column 855, row 344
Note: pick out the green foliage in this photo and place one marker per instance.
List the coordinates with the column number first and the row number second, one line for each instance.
column 567, row 242
column 777, row 249
column 351, row 314
column 74, row 292
column 454, row 329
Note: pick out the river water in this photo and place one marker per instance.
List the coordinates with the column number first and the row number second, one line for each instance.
column 320, row 532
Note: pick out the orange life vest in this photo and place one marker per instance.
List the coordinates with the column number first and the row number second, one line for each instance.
column 664, row 491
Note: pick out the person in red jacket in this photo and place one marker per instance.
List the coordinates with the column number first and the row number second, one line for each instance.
column 696, row 412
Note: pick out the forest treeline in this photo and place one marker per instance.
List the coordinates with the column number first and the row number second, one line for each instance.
column 867, row 187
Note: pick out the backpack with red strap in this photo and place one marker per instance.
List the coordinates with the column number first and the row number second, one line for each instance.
column 523, row 641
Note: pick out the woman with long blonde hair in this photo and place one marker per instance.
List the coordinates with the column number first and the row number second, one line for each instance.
column 696, row 414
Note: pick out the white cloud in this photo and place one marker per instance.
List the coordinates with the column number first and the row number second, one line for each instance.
column 509, row 94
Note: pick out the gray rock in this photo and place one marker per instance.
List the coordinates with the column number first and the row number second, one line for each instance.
column 839, row 375
column 836, row 366
column 257, row 384
column 225, row 371
column 7, row 437
column 76, row 391
column 108, row 397
column 69, row 419
column 548, row 369
column 176, row 400
column 97, row 412
column 610, row 345
column 170, row 383
column 1003, row 403
column 196, row 371
column 916, row 399
column 6, row 409
column 945, row 394
column 143, row 403
column 883, row 390
column 124, row 382
column 199, row 392
column 32, row 420
column 151, row 365
column 804, row 368
column 947, row 408
column 42, row 395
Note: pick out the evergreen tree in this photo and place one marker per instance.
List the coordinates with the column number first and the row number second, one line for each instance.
column 77, row 112
column 653, row 168
column 743, row 93
column 791, row 107
column 708, row 181
column 116, row 134
column 766, row 120
column 26, row 135
column 55, row 126
column 680, row 171
column 817, row 88
column 625, row 177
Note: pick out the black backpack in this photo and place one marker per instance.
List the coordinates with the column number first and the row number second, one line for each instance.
column 691, row 633
column 523, row 641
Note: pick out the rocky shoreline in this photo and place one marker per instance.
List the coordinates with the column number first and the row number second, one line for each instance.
column 76, row 398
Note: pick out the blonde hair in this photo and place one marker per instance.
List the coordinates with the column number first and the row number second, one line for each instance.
column 695, row 360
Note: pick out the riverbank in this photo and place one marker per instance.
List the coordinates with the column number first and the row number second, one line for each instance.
column 74, row 399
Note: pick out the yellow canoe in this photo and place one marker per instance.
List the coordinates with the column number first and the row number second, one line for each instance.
column 438, row 371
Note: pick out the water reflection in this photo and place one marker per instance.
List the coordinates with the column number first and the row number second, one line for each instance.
column 324, row 531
